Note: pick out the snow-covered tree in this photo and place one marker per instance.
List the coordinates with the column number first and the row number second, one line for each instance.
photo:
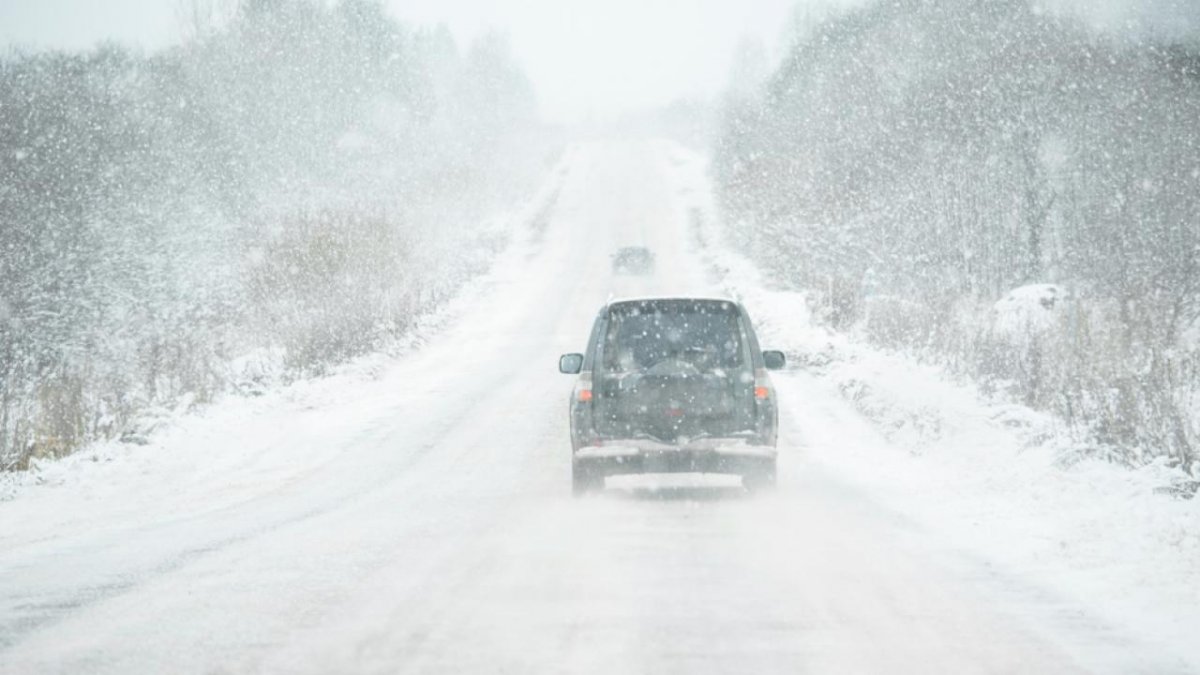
column 932, row 155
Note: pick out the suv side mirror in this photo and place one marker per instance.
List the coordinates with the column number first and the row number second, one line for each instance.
column 773, row 359
column 570, row 364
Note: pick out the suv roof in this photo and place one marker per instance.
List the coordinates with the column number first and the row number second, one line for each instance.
column 670, row 298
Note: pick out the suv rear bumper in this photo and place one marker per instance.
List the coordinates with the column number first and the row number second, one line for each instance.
column 732, row 456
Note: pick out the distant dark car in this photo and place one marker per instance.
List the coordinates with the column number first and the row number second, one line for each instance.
column 637, row 260
column 673, row 385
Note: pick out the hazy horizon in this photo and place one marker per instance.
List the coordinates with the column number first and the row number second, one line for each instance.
column 665, row 50
column 668, row 49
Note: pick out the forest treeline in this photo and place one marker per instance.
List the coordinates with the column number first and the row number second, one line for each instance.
column 912, row 162
column 284, row 190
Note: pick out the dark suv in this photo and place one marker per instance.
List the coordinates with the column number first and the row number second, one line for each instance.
column 634, row 260
column 672, row 385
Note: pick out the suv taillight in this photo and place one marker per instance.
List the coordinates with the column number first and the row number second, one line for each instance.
column 762, row 386
column 583, row 388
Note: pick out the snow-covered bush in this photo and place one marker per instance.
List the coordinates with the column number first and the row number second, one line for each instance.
column 896, row 322
column 329, row 287
column 1027, row 313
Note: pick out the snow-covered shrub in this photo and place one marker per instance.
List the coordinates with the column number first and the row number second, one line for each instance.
column 1027, row 313
column 897, row 322
column 328, row 287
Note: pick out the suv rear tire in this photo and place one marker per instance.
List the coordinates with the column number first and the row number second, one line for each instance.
column 585, row 480
column 761, row 479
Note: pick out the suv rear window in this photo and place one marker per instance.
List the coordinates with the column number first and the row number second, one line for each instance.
column 673, row 335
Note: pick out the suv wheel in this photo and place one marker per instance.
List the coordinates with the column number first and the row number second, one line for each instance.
column 585, row 480
column 761, row 479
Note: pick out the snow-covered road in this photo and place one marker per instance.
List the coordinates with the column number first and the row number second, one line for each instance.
column 419, row 518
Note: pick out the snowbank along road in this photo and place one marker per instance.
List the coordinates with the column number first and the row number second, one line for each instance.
column 419, row 519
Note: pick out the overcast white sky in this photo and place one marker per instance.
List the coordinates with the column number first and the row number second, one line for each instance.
column 605, row 55
column 585, row 57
